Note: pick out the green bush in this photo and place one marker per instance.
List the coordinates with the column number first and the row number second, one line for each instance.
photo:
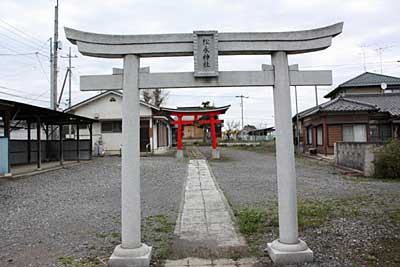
column 387, row 160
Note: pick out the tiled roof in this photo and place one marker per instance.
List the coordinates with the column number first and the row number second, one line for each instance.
column 389, row 102
column 385, row 102
column 371, row 79
column 366, row 79
column 344, row 104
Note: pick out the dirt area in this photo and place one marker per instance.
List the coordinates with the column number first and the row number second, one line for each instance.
column 71, row 217
column 346, row 221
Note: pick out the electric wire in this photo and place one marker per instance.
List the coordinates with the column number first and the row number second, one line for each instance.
column 22, row 32
column 42, row 69
column 23, row 97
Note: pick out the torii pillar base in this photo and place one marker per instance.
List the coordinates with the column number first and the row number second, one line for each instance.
column 138, row 257
column 281, row 253
column 179, row 154
column 215, row 154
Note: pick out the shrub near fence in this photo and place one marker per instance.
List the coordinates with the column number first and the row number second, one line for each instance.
column 387, row 160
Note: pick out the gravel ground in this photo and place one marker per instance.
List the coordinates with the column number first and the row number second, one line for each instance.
column 372, row 239
column 74, row 213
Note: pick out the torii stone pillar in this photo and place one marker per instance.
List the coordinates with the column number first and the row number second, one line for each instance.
column 205, row 46
column 288, row 248
column 131, row 252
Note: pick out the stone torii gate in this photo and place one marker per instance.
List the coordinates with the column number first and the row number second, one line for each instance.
column 205, row 46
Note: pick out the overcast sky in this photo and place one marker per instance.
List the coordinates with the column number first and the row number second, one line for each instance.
column 26, row 26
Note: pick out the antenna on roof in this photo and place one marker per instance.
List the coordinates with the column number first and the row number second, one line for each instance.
column 379, row 50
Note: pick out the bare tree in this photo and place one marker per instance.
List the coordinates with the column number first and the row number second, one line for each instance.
column 156, row 97
column 232, row 126
column 146, row 94
column 159, row 96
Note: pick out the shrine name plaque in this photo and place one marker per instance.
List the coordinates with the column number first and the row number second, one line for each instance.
column 205, row 53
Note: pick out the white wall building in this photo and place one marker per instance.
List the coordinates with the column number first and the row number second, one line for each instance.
column 155, row 131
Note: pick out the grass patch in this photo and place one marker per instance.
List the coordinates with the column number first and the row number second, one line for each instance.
column 394, row 215
column 160, row 223
column 115, row 235
column 158, row 231
column 251, row 220
column 70, row 261
column 265, row 147
column 311, row 214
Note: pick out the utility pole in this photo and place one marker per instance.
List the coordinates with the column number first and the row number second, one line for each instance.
column 69, row 73
column 69, row 78
column 241, row 106
column 55, row 59
column 52, row 103
column 316, row 95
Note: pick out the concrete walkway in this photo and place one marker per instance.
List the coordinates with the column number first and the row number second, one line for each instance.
column 205, row 219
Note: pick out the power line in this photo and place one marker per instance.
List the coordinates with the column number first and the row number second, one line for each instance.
column 42, row 94
column 23, row 97
column 22, row 32
column 15, row 51
column 42, row 69
column 19, row 54
column 18, row 41
column 349, row 64
column 16, row 90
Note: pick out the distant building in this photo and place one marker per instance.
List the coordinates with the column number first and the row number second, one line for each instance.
column 367, row 83
column 264, row 134
column 360, row 110
column 244, row 133
column 155, row 131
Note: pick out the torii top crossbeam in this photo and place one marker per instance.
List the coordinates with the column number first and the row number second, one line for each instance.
column 181, row 44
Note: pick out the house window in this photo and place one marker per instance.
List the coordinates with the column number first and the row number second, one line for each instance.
column 386, row 132
column 111, row 126
column 309, row 136
column 360, row 133
column 348, row 135
column 319, row 136
column 354, row 133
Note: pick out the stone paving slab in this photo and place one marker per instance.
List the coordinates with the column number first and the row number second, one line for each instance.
column 205, row 215
column 205, row 218
column 199, row 262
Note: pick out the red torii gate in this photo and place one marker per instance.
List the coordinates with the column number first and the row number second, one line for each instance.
column 196, row 113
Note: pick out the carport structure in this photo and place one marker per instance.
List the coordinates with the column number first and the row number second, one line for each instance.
column 19, row 119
